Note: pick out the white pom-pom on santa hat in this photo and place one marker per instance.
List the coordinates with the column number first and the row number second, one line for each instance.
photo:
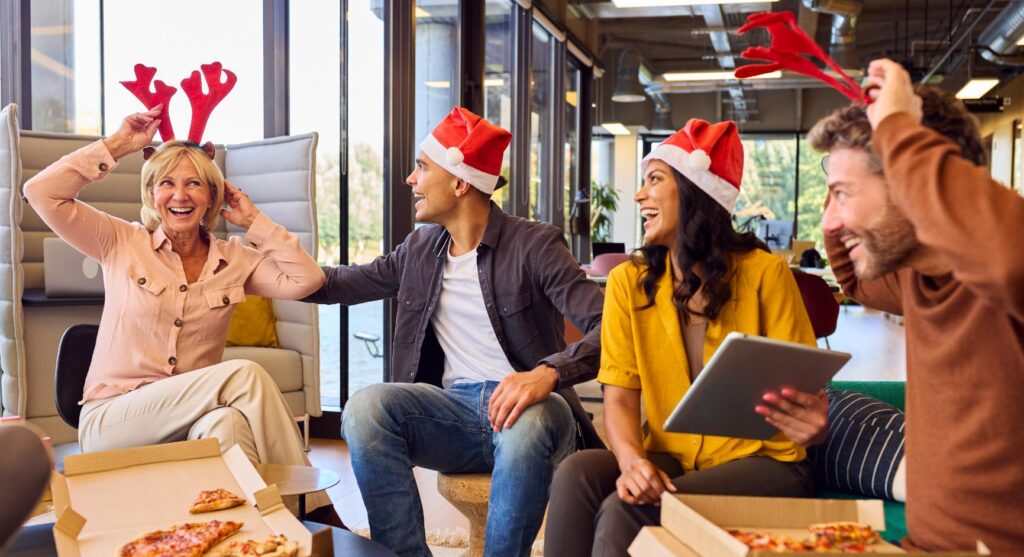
column 453, row 156
column 698, row 160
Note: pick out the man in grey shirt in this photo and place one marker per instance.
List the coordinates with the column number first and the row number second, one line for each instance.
column 481, row 296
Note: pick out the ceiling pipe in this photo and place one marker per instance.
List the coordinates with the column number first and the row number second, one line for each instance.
column 998, row 42
column 842, row 46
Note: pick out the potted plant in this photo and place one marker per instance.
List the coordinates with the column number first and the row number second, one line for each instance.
column 604, row 201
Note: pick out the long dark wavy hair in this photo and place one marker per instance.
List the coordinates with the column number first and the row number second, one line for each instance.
column 705, row 238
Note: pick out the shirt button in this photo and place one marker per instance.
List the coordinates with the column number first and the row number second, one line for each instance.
column 172, row 360
column 182, row 288
column 142, row 280
column 695, row 442
column 408, row 303
column 178, row 322
column 103, row 167
column 226, row 300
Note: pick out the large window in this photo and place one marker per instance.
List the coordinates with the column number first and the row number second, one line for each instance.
column 570, row 141
column 540, row 122
column 365, row 181
column 315, row 105
column 813, row 191
column 768, row 189
column 177, row 41
column 66, row 66
column 437, row 52
column 500, row 39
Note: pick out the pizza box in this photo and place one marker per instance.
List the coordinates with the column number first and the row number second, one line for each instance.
column 104, row 500
column 701, row 521
column 655, row 541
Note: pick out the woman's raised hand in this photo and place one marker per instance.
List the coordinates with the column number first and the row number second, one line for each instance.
column 243, row 212
column 136, row 131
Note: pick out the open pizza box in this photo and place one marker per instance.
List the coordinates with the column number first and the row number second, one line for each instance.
column 104, row 500
column 701, row 523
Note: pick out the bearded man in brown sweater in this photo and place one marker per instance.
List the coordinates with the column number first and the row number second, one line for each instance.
column 915, row 226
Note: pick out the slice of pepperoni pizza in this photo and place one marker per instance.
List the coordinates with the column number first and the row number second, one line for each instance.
column 185, row 540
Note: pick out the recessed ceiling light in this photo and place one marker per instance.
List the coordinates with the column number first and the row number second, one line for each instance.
column 616, row 128
column 718, row 75
column 420, row 12
column 976, row 88
column 438, row 84
column 669, row 3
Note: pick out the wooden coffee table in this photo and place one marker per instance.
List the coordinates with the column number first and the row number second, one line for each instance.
column 298, row 480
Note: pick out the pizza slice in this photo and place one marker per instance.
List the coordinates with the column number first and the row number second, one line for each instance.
column 274, row 546
column 185, row 540
column 840, row 534
column 215, row 500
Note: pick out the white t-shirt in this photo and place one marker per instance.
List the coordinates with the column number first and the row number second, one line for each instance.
column 471, row 349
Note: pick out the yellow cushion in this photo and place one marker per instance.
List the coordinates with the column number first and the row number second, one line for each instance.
column 253, row 324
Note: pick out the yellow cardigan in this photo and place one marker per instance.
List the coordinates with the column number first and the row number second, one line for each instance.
column 643, row 349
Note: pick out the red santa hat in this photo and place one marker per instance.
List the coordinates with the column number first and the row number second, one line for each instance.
column 709, row 155
column 469, row 147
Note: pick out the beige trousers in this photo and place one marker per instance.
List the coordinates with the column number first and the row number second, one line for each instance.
column 235, row 401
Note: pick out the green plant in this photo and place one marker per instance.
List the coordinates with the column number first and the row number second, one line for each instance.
column 604, row 201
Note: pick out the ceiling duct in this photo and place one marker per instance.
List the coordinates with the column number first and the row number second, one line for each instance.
column 662, row 113
column 628, row 88
column 842, row 46
column 998, row 42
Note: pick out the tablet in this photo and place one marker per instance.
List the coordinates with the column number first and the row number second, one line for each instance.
column 721, row 401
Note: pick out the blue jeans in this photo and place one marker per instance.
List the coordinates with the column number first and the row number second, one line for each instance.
column 392, row 427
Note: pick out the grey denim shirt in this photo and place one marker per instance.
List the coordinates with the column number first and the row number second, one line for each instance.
column 529, row 280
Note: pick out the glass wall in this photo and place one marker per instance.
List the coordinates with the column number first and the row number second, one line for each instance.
column 540, row 122
column 365, row 182
column 499, row 39
column 315, row 105
column 812, row 193
column 768, row 191
column 570, row 141
column 65, row 39
column 176, row 45
column 437, row 52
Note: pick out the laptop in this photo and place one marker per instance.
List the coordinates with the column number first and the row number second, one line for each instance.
column 721, row 400
column 68, row 273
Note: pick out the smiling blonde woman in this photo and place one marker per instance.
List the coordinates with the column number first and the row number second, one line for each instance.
column 171, row 287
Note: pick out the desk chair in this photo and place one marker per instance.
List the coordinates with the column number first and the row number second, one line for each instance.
column 73, row 358
column 821, row 304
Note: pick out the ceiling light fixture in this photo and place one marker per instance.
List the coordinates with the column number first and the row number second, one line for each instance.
column 628, row 88
column 616, row 128
column 719, row 75
column 670, row 3
column 976, row 88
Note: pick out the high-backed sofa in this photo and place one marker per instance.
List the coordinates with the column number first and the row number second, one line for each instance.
column 279, row 176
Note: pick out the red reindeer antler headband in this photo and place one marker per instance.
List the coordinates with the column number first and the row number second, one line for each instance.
column 789, row 50
column 202, row 104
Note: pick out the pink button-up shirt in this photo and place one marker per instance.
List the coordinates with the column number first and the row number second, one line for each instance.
column 154, row 323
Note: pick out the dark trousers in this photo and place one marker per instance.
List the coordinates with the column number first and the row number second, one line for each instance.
column 586, row 517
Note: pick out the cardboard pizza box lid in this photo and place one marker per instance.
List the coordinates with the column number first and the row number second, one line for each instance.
column 104, row 500
column 655, row 541
column 700, row 521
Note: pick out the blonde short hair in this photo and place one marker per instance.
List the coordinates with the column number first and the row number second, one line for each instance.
column 160, row 164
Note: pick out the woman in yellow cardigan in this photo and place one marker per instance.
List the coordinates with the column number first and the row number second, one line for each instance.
column 695, row 280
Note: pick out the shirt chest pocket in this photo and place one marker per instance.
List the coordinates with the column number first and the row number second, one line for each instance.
column 516, row 320
column 216, row 307
column 145, row 306
column 410, row 312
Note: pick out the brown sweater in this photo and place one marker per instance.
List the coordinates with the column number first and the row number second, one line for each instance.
column 965, row 341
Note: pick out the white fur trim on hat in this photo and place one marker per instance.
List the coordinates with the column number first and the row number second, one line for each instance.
column 439, row 154
column 695, row 166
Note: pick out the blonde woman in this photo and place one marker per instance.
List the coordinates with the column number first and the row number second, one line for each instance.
column 156, row 375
